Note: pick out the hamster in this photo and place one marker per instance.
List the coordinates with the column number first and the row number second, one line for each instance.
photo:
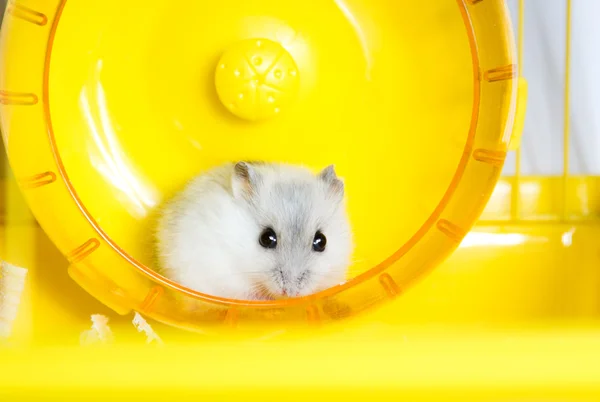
column 256, row 231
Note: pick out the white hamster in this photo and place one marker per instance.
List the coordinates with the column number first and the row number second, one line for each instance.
column 256, row 231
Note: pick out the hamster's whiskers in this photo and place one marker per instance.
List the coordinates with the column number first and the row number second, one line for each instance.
column 260, row 292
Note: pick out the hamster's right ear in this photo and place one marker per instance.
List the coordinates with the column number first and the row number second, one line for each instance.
column 244, row 180
column 334, row 183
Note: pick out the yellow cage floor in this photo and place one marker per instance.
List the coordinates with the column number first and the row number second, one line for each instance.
column 513, row 314
column 375, row 361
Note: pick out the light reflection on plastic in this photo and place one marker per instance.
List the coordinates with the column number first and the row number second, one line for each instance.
column 364, row 43
column 479, row 239
column 567, row 237
column 114, row 167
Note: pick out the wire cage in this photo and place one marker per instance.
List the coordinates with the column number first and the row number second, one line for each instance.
column 552, row 191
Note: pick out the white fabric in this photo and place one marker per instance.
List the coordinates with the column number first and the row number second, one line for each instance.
column 544, row 69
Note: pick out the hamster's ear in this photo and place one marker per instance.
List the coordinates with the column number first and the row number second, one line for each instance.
column 335, row 184
column 244, row 180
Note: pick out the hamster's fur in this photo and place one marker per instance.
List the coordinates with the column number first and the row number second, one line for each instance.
column 208, row 234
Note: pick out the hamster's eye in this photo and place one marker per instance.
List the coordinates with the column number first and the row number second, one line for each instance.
column 319, row 242
column 268, row 238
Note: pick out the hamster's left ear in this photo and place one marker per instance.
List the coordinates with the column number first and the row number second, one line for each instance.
column 335, row 184
column 244, row 180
